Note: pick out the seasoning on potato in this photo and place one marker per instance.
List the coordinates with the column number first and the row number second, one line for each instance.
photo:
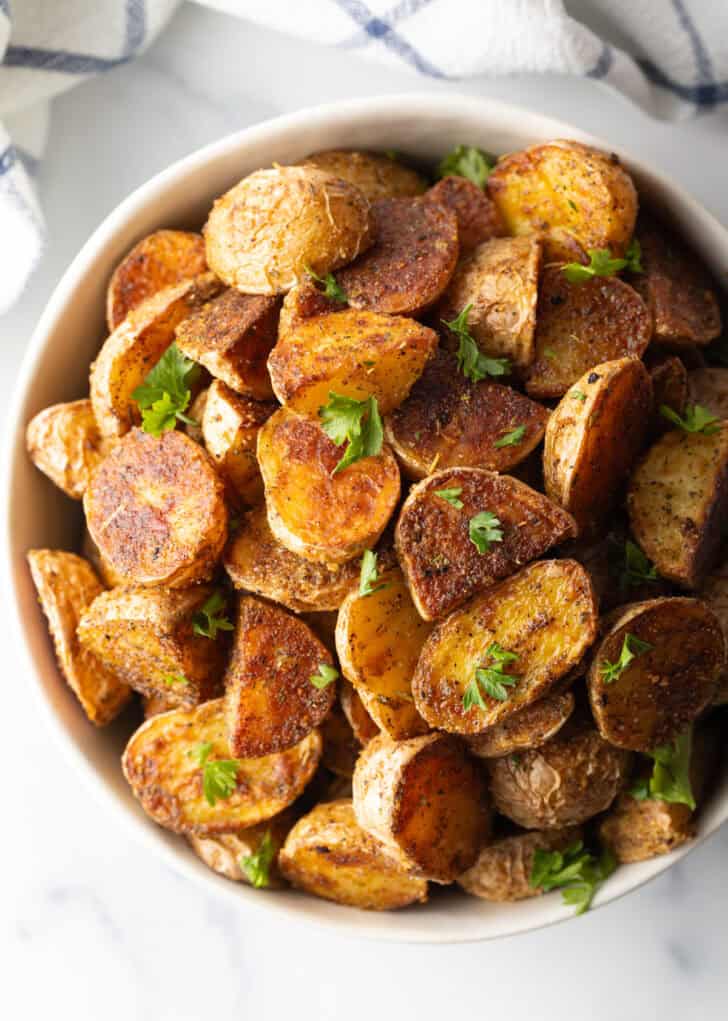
column 477, row 217
column 65, row 443
column 376, row 175
column 230, row 426
column 503, row 868
column 527, row 728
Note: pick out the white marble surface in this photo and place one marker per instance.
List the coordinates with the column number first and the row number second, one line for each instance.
column 90, row 926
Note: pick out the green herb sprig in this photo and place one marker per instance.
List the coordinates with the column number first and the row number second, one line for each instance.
column 467, row 161
column 256, row 866
column 493, row 679
column 601, row 264
column 631, row 648
column 697, row 419
column 574, row 871
column 473, row 364
column 210, row 618
column 219, row 776
column 356, row 423
column 484, row 528
column 670, row 779
column 165, row 394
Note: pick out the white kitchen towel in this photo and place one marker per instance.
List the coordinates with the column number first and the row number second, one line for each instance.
column 669, row 56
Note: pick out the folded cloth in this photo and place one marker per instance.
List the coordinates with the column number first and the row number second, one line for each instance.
column 669, row 56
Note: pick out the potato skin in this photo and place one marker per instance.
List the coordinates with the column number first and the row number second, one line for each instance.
column 709, row 387
column 66, row 584
column 91, row 552
column 230, row 425
column 374, row 174
column 160, row 765
column 503, row 868
column 328, row 855
column 262, row 235
column 528, row 728
column 477, row 218
column 715, row 593
column 637, row 830
column 156, row 511
column 64, row 442
column 223, row 853
column 669, row 386
column 354, row 710
column 304, row 301
column 340, row 745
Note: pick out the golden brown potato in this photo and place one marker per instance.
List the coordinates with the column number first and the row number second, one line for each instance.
column 170, row 764
column 477, row 217
column 64, row 442
column 566, row 781
column 146, row 635
column 230, row 426
column 502, row 871
column 678, row 503
column 320, row 516
column 447, row 422
column 134, row 348
column 304, row 301
column 328, row 855
column 709, row 387
column 411, row 261
column 341, row 746
column 378, row 640
column 271, row 702
column 103, row 568
column 66, row 584
column 375, row 175
column 263, row 234
column 352, row 354
column 227, row 852
column 156, row 511
column 637, row 830
column 663, row 685
column 195, row 413
column 159, row 260
column 153, row 705
column 568, row 193
column 499, row 280
column 669, row 387
column 594, row 436
column 354, row 710
column 232, row 336
column 426, row 800
column 528, row 728
column 582, row 325
column 715, row 593
column 545, row 616
column 441, row 562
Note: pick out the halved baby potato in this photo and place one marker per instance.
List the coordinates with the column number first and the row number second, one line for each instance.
column 667, row 682
column 594, row 436
column 477, row 216
column 376, row 175
column 341, row 747
column 545, row 616
column 709, row 387
column 528, row 728
column 66, row 584
column 502, row 871
column 441, row 562
column 328, row 855
column 146, row 636
column 168, row 759
column 305, row 301
column 356, row 713
column 353, row 354
column 64, row 442
column 669, row 387
column 378, row 640
column 230, row 425
column 156, row 510
column 316, row 514
column 91, row 552
column 226, row 853
column 153, row 705
column 582, row 325
column 263, row 234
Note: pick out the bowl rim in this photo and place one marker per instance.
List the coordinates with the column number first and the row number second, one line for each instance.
column 492, row 113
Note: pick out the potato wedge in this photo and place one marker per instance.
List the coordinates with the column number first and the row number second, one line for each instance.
column 232, row 336
column 156, row 511
column 678, row 503
column 528, row 728
column 159, row 260
column 669, row 387
column 411, row 261
column 320, row 516
column 340, row 745
column 263, row 234
column 583, row 325
column 66, row 584
column 441, row 562
column 354, row 710
column 715, row 593
column 230, row 426
column 426, row 800
column 135, row 347
column 304, row 301
column 662, row 688
column 64, row 443
column 328, row 855
column 477, row 216
column 502, row 871
column 546, row 615
column 566, row 781
column 196, row 413
column 375, row 175
column 226, row 852
column 449, row 422
column 568, row 193
column 162, row 763
column 146, row 636
column 594, row 436
column 499, row 280
column 354, row 354
column 709, row 387
column 271, row 702
column 379, row 638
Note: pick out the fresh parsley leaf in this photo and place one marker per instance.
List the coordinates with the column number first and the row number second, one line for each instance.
column 209, row 619
column 697, row 419
column 472, row 696
column 638, row 570
column 172, row 679
column 368, row 574
column 451, row 496
column 578, row 395
column 601, row 264
column 473, row 364
column 548, row 352
column 467, row 161
column 324, row 676
column 357, row 423
column 670, row 780
column 202, row 752
column 329, row 286
column 631, row 648
column 484, row 529
column 165, row 393
column 633, row 257
column 219, row 777
column 493, row 679
column 256, row 866
column 512, row 438
column 575, row 871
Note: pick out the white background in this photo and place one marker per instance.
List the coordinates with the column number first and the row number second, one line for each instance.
column 91, row 927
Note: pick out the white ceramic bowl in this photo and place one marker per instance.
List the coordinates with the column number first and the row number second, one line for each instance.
column 55, row 368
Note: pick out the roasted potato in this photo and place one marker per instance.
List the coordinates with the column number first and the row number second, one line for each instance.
column 709, row 387
column 329, row 855
column 156, row 511
column 147, row 637
column 263, row 234
column 676, row 654
column 320, row 516
column 227, row 852
column 669, row 387
column 64, row 442
column 135, row 347
column 715, row 593
column 103, row 568
column 594, row 436
column 153, row 705
column 678, row 503
column 360, row 721
column 583, row 325
column 168, row 761
column 545, row 616
column 352, row 354
column 375, row 175
column 66, row 584
column 305, row 301
column 159, row 260
column 569, row 194
column 528, row 728
column 477, row 216
column 196, row 413
column 502, row 871
column 340, row 745
column 442, row 563
column 230, row 425
column 378, row 640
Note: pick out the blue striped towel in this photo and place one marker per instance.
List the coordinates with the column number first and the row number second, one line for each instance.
column 669, row 56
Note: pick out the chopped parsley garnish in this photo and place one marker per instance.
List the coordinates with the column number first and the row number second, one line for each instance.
column 368, row 575
column 473, row 364
column 324, row 676
column 492, row 679
column 512, row 438
column 631, row 648
column 601, row 264
column 578, row 395
column 219, row 777
column 484, row 529
column 467, row 161
column 329, row 286
column 172, row 679
column 256, row 866
column 451, row 496
column 165, row 394
column 670, row 779
column 697, row 419
column 356, row 423
column 637, row 570
column 574, row 871
column 210, row 618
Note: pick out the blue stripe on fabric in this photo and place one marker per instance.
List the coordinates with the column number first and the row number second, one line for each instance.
column 380, row 29
column 29, row 161
column 136, row 27
column 405, row 9
column 7, row 159
column 700, row 51
column 603, row 65
column 699, row 95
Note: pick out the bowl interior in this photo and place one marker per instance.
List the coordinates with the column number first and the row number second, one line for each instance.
column 56, row 369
